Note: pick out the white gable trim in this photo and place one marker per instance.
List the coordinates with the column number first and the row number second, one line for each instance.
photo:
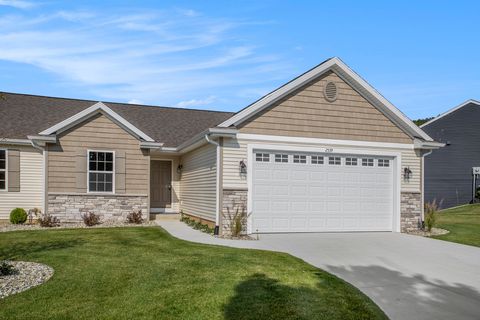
column 87, row 113
column 348, row 75
column 451, row 111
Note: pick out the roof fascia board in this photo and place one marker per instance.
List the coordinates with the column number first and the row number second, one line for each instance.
column 350, row 77
column 90, row 111
column 430, row 145
column 451, row 111
column 21, row 142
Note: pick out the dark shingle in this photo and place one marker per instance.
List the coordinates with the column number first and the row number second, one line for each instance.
column 22, row 115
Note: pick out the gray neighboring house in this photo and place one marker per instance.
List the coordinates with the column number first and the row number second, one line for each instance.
column 448, row 171
column 323, row 153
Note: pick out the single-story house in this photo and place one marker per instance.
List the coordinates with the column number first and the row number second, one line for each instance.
column 448, row 171
column 323, row 153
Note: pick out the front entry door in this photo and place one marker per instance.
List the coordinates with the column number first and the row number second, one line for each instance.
column 161, row 184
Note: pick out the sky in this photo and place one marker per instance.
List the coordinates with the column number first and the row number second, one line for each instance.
column 423, row 56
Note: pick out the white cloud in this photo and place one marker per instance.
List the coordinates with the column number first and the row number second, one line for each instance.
column 135, row 101
column 17, row 4
column 155, row 57
column 195, row 102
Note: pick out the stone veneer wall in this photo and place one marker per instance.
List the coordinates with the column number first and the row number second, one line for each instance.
column 233, row 200
column 410, row 207
column 410, row 211
column 70, row 208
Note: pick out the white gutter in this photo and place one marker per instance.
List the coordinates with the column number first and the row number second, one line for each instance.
column 217, row 191
column 22, row 142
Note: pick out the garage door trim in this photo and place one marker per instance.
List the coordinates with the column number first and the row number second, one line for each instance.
column 325, row 149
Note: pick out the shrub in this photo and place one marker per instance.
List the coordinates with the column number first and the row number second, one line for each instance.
column 90, row 219
column 6, row 269
column 33, row 212
column 431, row 209
column 135, row 217
column 48, row 221
column 18, row 216
column 236, row 220
column 477, row 193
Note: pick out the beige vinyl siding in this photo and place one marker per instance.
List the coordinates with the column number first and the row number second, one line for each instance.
column 31, row 183
column 175, row 180
column 198, row 182
column 97, row 133
column 235, row 150
column 306, row 113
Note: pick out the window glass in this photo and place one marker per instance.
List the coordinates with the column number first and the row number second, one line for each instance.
column 317, row 159
column 100, row 175
column 299, row 158
column 283, row 158
column 262, row 157
column 351, row 161
column 367, row 162
column 334, row 161
column 383, row 162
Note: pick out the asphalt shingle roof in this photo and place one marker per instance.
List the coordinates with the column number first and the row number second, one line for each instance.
column 22, row 115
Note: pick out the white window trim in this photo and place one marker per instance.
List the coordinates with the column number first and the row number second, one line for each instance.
column 334, row 164
column 6, row 171
column 300, row 158
column 262, row 157
column 395, row 164
column 113, row 172
column 318, row 159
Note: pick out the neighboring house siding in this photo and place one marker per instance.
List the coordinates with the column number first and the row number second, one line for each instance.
column 31, row 183
column 235, row 150
column 306, row 113
column 97, row 133
column 448, row 170
column 198, row 182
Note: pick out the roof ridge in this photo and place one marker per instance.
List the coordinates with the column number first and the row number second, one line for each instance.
column 114, row 103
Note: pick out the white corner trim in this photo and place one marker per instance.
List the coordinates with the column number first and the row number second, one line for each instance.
column 301, row 140
column 85, row 114
column 397, row 163
column 349, row 76
column 451, row 111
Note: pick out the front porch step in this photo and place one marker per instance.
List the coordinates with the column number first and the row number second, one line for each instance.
column 164, row 216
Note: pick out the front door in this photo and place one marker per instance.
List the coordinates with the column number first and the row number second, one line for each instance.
column 161, row 184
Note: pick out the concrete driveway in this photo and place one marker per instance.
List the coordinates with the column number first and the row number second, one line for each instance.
column 409, row 277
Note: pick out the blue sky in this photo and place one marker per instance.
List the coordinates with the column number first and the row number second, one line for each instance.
column 223, row 55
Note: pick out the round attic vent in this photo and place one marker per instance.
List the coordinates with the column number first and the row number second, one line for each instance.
column 330, row 91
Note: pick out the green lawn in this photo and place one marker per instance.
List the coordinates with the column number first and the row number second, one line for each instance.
column 463, row 224
column 144, row 273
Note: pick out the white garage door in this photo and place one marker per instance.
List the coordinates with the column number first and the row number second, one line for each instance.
column 305, row 192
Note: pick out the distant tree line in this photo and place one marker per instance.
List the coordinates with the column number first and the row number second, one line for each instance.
column 419, row 122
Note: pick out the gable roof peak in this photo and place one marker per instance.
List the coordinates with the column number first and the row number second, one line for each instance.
column 87, row 113
column 446, row 113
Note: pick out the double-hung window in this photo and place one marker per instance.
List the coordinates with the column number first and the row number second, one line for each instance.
column 101, row 171
column 3, row 170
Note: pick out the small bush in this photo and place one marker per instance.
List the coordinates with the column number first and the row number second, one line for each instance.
column 48, row 221
column 90, row 219
column 196, row 224
column 33, row 212
column 135, row 217
column 236, row 220
column 431, row 209
column 18, row 216
column 6, row 269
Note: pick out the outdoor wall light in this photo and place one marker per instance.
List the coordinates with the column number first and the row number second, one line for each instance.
column 243, row 167
column 179, row 168
column 407, row 173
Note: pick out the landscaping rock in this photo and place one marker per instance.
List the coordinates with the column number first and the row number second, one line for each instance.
column 27, row 275
column 103, row 224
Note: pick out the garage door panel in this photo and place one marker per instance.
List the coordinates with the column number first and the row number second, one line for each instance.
column 313, row 197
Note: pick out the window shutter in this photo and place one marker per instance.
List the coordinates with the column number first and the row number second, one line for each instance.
column 81, row 171
column 120, row 172
column 13, row 164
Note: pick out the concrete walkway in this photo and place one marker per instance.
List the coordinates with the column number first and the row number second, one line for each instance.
column 409, row 277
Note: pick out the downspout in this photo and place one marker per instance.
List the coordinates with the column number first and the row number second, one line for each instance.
column 423, row 184
column 44, row 173
column 217, row 191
